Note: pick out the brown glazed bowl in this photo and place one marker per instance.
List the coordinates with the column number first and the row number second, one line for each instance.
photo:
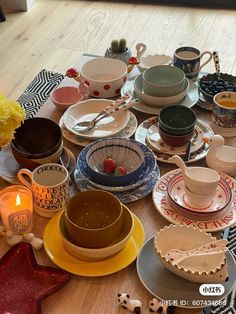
column 93, row 218
column 175, row 140
column 37, row 138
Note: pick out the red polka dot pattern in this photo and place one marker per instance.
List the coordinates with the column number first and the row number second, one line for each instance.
column 117, row 91
column 107, row 86
column 96, row 93
column 86, row 82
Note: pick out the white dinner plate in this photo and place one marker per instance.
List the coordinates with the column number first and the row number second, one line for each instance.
column 89, row 109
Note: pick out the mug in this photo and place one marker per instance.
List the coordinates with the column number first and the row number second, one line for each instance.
column 224, row 110
column 50, row 186
column 188, row 59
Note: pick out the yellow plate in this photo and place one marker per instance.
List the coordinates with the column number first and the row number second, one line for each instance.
column 56, row 252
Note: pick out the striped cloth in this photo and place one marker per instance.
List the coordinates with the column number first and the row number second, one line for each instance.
column 38, row 91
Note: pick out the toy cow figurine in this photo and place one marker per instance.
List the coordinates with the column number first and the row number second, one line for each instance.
column 128, row 304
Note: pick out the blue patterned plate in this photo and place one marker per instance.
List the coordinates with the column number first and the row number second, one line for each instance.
column 124, row 196
column 150, row 163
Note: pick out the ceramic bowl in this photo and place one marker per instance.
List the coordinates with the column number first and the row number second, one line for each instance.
column 65, row 96
column 104, row 76
column 89, row 254
column 93, row 218
column 177, row 119
column 153, row 60
column 193, row 268
column 157, row 101
column 31, row 164
column 163, row 81
column 175, row 140
column 37, row 138
column 127, row 153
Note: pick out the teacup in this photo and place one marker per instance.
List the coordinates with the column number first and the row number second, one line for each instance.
column 188, row 59
column 50, row 186
column 224, row 109
column 198, row 200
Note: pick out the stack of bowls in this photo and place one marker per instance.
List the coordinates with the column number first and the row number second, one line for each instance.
column 136, row 158
column 176, row 125
column 37, row 141
column 95, row 225
column 161, row 85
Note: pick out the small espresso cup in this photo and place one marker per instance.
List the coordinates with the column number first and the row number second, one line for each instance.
column 224, row 110
column 189, row 59
column 50, row 186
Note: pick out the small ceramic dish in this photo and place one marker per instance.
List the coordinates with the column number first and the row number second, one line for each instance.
column 145, row 174
column 163, row 81
column 153, row 60
column 89, row 254
column 197, row 268
column 87, row 110
column 181, row 201
column 65, row 96
column 155, row 101
column 93, row 218
column 177, row 119
column 104, row 76
column 124, row 152
column 210, row 85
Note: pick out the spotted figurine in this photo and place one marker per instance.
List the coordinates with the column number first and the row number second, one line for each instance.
column 157, row 306
column 128, row 304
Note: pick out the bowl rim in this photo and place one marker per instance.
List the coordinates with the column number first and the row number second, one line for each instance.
column 102, row 249
column 104, row 59
column 94, row 229
column 116, row 138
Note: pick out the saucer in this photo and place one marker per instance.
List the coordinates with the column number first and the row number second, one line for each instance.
column 9, row 166
column 157, row 144
column 142, row 132
column 225, row 132
column 221, row 222
column 166, row 286
column 127, row 132
column 149, row 166
column 88, row 110
column 124, row 196
column 189, row 101
column 178, row 199
column 56, row 252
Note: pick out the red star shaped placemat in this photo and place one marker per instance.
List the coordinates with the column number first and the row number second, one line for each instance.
column 24, row 283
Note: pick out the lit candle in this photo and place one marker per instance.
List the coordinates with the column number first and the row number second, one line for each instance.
column 16, row 207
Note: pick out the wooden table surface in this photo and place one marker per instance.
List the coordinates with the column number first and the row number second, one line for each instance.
column 99, row 295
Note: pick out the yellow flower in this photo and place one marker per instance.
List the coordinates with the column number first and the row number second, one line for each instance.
column 11, row 117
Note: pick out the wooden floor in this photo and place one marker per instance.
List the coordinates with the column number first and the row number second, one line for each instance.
column 54, row 33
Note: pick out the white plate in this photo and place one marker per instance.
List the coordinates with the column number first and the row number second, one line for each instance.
column 127, row 132
column 172, row 289
column 156, row 143
column 189, row 100
column 87, row 110
column 159, row 197
column 142, row 131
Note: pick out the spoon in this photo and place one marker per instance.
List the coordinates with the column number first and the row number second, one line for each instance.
column 217, row 63
column 109, row 110
column 175, row 256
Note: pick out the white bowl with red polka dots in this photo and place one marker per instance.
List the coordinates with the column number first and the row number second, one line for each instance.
column 104, row 76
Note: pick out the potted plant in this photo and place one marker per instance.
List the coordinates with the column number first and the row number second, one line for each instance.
column 118, row 50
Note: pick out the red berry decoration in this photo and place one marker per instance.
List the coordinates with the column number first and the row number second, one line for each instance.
column 120, row 171
column 72, row 72
column 109, row 165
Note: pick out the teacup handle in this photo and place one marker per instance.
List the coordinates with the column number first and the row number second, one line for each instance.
column 28, row 173
column 208, row 60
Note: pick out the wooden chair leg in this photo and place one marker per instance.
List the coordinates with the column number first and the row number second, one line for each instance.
column 2, row 16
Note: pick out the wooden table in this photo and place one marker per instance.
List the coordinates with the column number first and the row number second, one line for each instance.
column 99, row 295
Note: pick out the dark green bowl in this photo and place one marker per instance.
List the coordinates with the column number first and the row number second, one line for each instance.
column 177, row 119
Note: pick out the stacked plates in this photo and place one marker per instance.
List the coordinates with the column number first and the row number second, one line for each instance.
column 120, row 124
column 127, row 193
column 148, row 133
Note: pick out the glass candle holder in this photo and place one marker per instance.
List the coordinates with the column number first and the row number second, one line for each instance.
column 16, row 207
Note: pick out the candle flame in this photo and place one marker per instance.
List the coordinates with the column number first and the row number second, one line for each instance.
column 18, row 200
